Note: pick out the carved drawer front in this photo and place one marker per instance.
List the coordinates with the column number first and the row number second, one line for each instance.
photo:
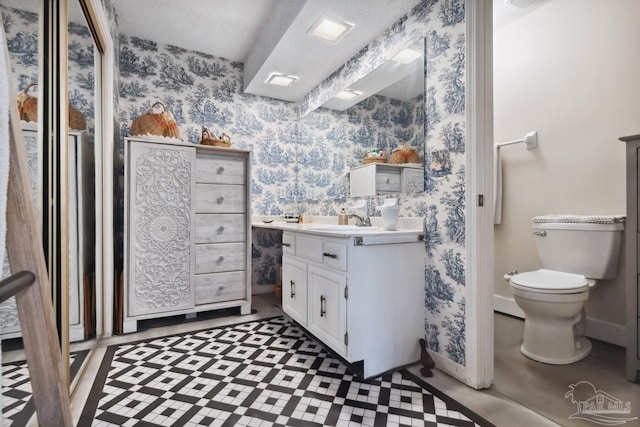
column 217, row 198
column 219, row 169
column 388, row 180
column 218, row 287
column 219, row 257
column 220, row 228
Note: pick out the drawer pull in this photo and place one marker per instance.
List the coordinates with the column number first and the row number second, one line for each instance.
column 220, row 229
column 388, row 181
column 220, row 290
column 220, row 170
column 220, row 259
column 327, row 254
column 323, row 310
column 220, row 200
column 293, row 289
column 288, row 245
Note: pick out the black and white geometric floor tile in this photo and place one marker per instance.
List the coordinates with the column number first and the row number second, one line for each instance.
column 17, row 403
column 261, row 373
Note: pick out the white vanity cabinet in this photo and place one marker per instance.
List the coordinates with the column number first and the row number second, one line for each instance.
column 187, row 239
column 361, row 296
column 385, row 178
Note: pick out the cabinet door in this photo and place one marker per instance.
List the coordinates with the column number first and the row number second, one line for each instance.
column 327, row 307
column 160, row 228
column 294, row 289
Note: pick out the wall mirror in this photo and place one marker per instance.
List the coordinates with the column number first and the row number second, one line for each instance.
column 383, row 110
column 76, row 308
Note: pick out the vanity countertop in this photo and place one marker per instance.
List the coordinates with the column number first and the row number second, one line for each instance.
column 409, row 229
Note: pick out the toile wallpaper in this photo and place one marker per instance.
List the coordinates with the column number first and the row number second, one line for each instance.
column 286, row 152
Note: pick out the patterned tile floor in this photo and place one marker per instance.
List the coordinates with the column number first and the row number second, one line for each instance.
column 259, row 373
column 17, row 402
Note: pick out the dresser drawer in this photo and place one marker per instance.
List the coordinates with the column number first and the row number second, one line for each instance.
column 388, row 180
column 219, row 169
column 218, row 287
column 217, row 257
column 220, row 198
column 220, row 228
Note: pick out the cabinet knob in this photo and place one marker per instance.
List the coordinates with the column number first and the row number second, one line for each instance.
column 220, row 229
column 388, row 181
column 323, row 310
column 220, row 259
column 220, row 170
column 220, row 199
column 220, row 289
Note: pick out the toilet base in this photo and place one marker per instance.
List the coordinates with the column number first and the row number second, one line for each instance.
column 582, row 350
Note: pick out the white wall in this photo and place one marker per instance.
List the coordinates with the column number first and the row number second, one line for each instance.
column 569, row 70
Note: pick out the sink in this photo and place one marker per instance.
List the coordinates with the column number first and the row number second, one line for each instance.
column 335, row 227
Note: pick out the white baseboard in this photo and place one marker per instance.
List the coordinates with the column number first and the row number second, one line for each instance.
column 601, row 330
column 507, row 306
column 449, row 367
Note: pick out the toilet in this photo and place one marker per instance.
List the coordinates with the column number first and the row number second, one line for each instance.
column 576, row 251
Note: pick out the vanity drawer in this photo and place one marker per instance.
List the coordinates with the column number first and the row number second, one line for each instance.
column 334, row 255
column 288, row 244
column 220, row 198
column 218, row 287
column 214, row 258
column 220, row 228
column 388, row 181
column 309, row 247
column 219, row 169
column 330, row 253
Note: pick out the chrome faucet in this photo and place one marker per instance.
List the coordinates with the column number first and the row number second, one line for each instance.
column 362, row 222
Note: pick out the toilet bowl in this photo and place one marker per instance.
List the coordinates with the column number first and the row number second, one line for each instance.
column 576, row 251
column 553, row 303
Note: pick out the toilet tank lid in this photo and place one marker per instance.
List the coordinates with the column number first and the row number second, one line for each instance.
column 579, row 219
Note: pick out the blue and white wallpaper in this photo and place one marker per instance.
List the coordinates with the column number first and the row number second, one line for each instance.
column 202, row 90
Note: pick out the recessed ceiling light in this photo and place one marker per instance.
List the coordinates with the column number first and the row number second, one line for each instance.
column 347, row 94
column 406, row 56
column 283, row 80
column 330, row 30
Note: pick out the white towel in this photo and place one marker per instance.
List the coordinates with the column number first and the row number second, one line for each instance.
column 497, row 185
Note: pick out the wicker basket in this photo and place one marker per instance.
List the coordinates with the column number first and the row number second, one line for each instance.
column 368, row 160
column 224, row 142
column 28, row 105
column 28, row 110
column 158, row 124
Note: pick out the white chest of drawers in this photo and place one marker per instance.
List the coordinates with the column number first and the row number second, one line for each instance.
column 187, row 230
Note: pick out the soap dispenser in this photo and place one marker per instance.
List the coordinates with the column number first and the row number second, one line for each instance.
column 343, row 218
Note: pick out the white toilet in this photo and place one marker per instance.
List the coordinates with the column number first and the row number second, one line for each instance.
column 576, row 250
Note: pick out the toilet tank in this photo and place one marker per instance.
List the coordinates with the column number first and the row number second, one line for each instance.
column 580, row 244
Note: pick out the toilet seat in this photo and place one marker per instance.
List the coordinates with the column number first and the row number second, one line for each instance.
column 550, row 282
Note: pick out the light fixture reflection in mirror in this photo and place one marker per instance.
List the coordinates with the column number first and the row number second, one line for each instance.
column 383, row 110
